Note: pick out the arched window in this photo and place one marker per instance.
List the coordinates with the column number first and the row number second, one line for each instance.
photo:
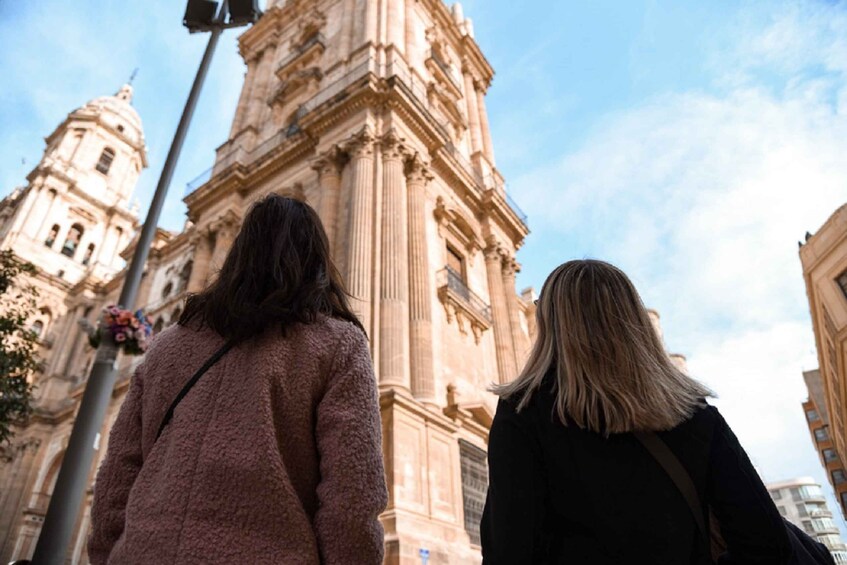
column 185, row 275
column 105, row 162
column 51, row 237
column 167, row 290
column 72, row 241
column 37, row 328
column 157, row 327
column 88, row 253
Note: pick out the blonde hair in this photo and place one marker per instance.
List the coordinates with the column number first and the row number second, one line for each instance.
column 612, row 373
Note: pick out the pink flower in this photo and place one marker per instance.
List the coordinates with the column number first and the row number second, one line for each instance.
column 120, row 337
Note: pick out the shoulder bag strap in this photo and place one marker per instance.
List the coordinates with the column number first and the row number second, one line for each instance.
column 677, row 473
column 200, row 372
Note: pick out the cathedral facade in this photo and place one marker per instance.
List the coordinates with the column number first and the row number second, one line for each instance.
column 374, row 113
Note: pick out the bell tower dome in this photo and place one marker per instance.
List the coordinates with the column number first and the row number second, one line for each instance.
column 74, row 217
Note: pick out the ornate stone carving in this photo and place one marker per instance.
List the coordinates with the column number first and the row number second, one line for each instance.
column 360, row 144
column 393, row 146
column 418, row 170
column 453, row 224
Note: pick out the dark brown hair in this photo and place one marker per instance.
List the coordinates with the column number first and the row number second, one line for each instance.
column 278, row 272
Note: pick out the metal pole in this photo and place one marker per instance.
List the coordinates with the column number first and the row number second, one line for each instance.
column 65, row 503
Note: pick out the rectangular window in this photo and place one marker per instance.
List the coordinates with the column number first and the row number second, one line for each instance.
column 838, row 477
column 807, row 526
column 821, row 435
column 812, row 415
column 776, row 494
column 829, row 455
column 456, row 263
column 474, row 486
column 801, row 509
column 781, row 510
column 842, row 282
column 795, row 494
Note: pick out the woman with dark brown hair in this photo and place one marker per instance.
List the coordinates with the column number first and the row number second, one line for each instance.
column 251, row 431
column 604, row 452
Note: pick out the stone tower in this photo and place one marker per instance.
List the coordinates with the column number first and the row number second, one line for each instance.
column 72, row 221
column 374, row 113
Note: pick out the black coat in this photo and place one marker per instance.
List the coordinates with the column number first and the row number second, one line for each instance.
column 561, row 495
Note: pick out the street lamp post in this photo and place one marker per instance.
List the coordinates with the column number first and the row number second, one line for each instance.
column 65, row 503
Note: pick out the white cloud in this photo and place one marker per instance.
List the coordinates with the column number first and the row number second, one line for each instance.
column 702, row 196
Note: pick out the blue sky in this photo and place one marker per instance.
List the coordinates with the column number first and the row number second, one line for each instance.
column 692, row 143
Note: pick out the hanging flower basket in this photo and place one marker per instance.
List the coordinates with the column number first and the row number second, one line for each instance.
column 131, row 331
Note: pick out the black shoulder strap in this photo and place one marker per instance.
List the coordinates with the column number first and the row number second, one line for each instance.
column 680, row 477
column 200, row 372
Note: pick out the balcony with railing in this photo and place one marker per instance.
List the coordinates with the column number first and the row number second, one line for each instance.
column 462, row 304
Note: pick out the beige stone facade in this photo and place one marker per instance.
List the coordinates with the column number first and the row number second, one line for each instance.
column 824, row 259
column 374, row 113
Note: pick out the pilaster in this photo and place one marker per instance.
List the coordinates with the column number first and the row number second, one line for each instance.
column 202, row 256
column 329, row 167
column 394, row 271
column 504, row 346
column 359, row 259
column 420, row 296
column 519, row 339
column 482, row 112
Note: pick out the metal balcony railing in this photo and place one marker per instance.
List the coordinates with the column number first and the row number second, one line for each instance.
column 198, row 181
column 452, row 281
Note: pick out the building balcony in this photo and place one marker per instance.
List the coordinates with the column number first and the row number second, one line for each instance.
column 462, row 304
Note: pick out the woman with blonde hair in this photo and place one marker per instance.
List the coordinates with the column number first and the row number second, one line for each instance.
column 602, row 450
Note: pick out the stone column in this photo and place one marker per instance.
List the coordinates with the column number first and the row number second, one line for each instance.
column 244, row 105
column 487, row 145
column 359, row 251
column 143, row 299
column 225, row 230
column 47, row 220
column 504, row 348
column 473, row 111
column 259, row 89
column 366, row 27
column 411, row 50
column 396, row 25
column 201, row 258
column 394, row 272
column 329, row 167
column 420, row 295
column 347, row 30
column 519, row 339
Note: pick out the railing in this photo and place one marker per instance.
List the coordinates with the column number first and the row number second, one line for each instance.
column 517, row 209
column 451, row 280
column 198, row 181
